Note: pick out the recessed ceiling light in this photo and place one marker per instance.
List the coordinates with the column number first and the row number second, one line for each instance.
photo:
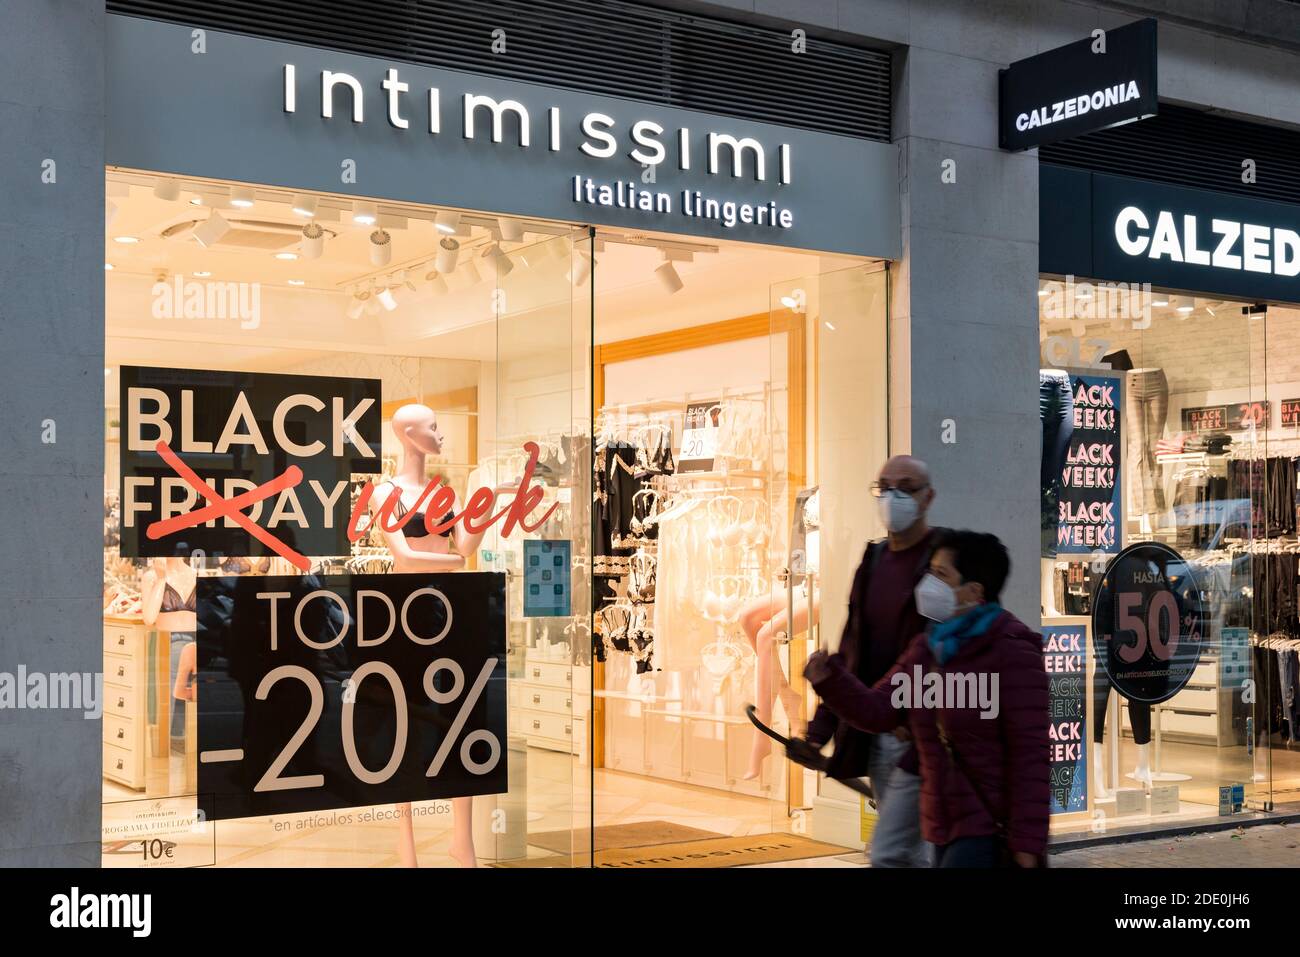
column 365, row 213
column 167, row 189
column 196, row 201
column 447, row 222
column 107, row 371
column 1042, row 293
column 241, row 196
column 1160, row 301
column 296, row 282
column 1185, row 308
column 288, row 257
column 108, row 267
column 830, row 326
column 304, row 205
column 202, row 274
column 125, row 240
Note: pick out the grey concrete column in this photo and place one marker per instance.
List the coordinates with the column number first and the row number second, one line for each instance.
column 51, row 375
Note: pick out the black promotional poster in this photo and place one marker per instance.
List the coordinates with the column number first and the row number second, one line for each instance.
column 1088, row 511
column 1064, row 648
column 242, row 463
column 1149, row 622
column 336, row 691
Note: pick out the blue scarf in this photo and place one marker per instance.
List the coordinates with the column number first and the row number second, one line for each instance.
column 946, row 638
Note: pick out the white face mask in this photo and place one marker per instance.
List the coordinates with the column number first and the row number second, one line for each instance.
column 898, row 510
column 935, row 599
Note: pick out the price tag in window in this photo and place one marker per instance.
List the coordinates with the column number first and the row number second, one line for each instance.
column 699, row 437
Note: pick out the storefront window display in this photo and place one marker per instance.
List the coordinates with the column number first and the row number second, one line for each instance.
column 1168, row 521
column 613, row 476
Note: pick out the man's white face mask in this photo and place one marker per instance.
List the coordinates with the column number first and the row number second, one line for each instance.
column 898, row 510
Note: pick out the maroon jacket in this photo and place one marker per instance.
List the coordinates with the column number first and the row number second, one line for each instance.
column 1007, row 755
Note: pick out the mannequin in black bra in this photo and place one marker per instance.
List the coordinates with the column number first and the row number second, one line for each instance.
column 426, row 546
column 168, row 595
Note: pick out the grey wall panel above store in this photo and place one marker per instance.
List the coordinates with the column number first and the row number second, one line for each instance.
column 220, row 114
column 51, row 351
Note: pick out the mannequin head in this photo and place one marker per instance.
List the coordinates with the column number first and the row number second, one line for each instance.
column 416, row 428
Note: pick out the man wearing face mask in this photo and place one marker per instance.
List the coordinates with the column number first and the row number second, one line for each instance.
column 984, row 758
column 882, row 620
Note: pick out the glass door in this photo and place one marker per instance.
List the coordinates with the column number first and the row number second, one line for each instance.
column 539, row 428
column 830, row 437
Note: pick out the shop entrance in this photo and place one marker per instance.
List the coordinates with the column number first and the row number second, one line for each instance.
column 702, row 421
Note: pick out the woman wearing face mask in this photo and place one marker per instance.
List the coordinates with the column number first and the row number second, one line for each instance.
column 980, row 723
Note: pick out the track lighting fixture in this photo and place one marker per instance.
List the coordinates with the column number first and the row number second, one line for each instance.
column 667, row 275
column 498, row 260
column 447, row 253
column 211, row 230
column 168, row 189
column 447, row 222
column 512, row 230
column 436, row 282
column 313, row 240
column 381, row 248
column 387, row 299
column 357, row 305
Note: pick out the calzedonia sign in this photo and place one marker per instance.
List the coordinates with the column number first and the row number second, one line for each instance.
column 1104, row 80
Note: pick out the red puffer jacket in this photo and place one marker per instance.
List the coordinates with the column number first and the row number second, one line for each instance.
column 1006, row 754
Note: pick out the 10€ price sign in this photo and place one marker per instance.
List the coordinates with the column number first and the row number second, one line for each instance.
column 1149, row 622
column 335, row 691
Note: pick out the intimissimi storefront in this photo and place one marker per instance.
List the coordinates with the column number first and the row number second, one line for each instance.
column 476, row 449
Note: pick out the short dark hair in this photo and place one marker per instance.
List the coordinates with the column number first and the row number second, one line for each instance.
column 979, row 557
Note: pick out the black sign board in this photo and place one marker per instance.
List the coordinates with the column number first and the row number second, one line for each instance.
column 348, row 690
column 1148, row 622
column 1290, row 412
column 1231, row 417
column 195, row 442
column 1083, row 86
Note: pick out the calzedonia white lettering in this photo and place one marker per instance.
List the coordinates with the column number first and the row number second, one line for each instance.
column 486, row 117
column 626, row 194
column 1078, row 105
column 1226, row 244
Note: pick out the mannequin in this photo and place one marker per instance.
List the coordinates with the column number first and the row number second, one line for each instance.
column 414, row 550
column 761, row 621
column 168, row 590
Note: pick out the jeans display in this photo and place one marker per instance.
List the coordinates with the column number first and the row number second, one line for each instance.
column 1139, row 714
column 1056, row 411
column 1147, row 398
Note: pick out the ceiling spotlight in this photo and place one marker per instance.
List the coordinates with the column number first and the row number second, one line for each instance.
column 196, row 200
column 471, row 273
column 381, row 248
column 436, row 282
column 447, row 253
column 512, row 230
column 168, row 189
column 211, row 229
column 1160, row 300
column 1042, row 293
column 400, row 279
column 304, row 205
column 387, row 299
column 108, row 267
column 286, row 256
column 447, row 222
column 110, row 212
column 364, row 213
column 296, row 282
column 829, row 325
column 357, row 305
column 126, row 240
column 668, row 278
column 202, row 274
column 790, row 302
column 498, row 259
column 372, row 306
column 241, row 196
column 313, row 240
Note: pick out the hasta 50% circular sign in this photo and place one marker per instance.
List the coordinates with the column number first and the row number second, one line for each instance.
column 1148, row 622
